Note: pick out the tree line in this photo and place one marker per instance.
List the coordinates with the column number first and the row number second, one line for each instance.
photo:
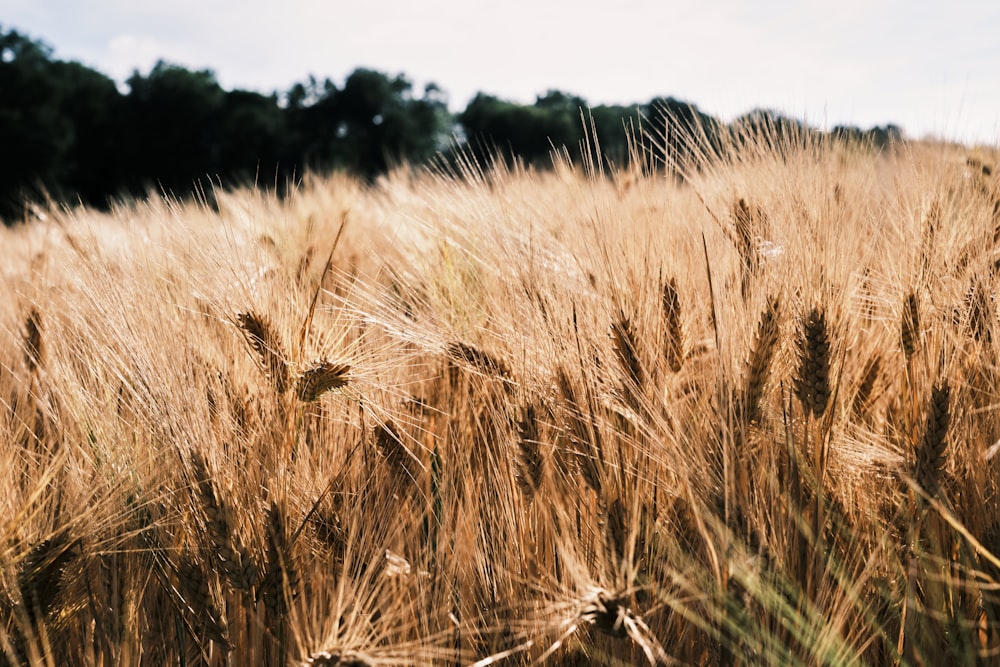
column 70, row 135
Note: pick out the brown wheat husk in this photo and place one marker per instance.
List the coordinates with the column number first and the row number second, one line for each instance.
column 750, row 222
column 980, row 313
column 196, row 595
column 280, row 583
column 335, row 658
column 617, row 529
column 627, row 352
column 40, row 578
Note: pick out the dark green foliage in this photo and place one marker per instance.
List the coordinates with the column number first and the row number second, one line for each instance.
column 69, row 134
column 51, row 114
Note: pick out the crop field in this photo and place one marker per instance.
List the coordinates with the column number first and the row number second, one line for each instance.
column 747, row 413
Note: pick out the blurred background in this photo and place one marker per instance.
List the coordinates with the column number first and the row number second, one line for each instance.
column 111, row 99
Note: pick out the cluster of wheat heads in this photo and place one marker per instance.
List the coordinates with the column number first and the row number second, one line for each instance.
column 507, row 417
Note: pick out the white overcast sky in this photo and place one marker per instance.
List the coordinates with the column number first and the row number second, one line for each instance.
column 931, row 67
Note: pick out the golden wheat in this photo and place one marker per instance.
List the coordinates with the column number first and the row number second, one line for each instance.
column 549, row 418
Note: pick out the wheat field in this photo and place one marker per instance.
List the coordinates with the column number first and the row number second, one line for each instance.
column 745, row 414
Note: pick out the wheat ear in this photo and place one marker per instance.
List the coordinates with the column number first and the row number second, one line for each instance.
column 280, row 584
column 585, row 440
column 264, row 339
column 532, row 466
column 627, row 352
column 233, row 558
column 482, row 361
column 40, row 578
column 765, row 345
column 863, row 396
column 930, row 454
column 617, row 529
column 812, row 382
column 749, row 223
column 673, row 333
column 909, row 329
column 321, row 377
column 33, row 347
column 403, row 463
column 980, row 312
column 339, row 659
column 192, row 584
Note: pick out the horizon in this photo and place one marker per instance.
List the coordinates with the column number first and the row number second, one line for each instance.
column 932, row 71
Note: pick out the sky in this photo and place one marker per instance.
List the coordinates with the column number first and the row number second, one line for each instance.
column 931, row 67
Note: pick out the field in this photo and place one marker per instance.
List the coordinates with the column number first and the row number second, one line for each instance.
column 743, row 415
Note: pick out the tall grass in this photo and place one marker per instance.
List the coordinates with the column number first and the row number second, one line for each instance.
column 747, row 416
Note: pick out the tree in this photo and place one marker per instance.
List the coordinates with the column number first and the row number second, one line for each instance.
column 679, row 132
column 172, row 126
column 381, row 122
column 34, row 134
column 252, row 139
column 90, row 105
column 528, row 132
